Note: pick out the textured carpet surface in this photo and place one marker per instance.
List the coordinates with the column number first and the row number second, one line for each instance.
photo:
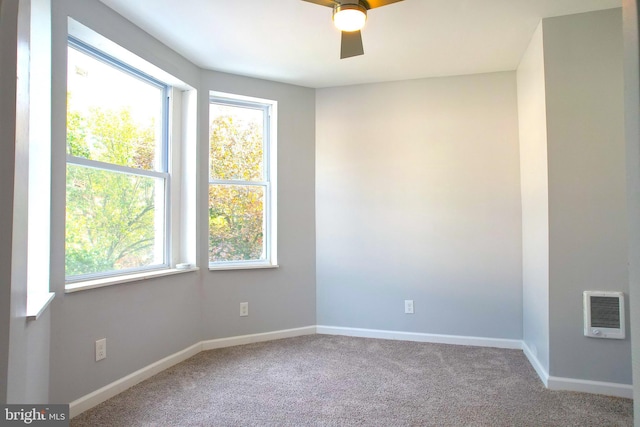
column 322, row 380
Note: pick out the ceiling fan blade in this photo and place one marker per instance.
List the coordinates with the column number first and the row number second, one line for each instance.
column 351, row 44
column 328, row 3
column 379, row 3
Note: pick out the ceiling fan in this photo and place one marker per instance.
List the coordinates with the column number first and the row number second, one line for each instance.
column 349, row 16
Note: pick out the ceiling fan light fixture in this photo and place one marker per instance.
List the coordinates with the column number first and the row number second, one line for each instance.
column 349, row 17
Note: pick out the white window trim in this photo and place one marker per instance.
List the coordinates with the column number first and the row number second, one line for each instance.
column 37, row 303
column 38, row 186
column 180, row 178
column 126, row 278
column 270, row 153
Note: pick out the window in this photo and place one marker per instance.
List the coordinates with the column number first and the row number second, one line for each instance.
column 117, row 177
column 242, row 231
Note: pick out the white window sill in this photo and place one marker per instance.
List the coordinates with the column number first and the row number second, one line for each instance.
column 108, row 281
column 216, row 267
column 37, row 303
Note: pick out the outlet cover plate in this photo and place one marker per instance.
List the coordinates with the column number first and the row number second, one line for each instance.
column 101, row 349
column 244, row 309
column 408, row 306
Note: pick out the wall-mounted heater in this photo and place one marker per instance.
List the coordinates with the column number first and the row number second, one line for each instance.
column 604, row 314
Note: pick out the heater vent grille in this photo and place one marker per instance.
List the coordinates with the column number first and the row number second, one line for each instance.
column 604, row 314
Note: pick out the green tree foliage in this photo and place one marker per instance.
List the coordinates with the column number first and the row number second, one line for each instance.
column 119, row 140
column 110, row 217
column 236, row 212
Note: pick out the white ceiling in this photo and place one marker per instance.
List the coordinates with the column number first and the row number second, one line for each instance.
column 295, row 42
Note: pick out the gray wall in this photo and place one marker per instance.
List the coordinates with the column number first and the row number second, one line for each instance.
column 27, row 375
column 418, row 197
column 587, row 199
column 632, row 132
column 535, row 199
column 572, row 159
column 8, row 39
column 19, row 337
column 142, row 321
column 281, row 298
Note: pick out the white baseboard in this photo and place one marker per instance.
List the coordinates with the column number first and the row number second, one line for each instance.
column 420, row 337
column 594, row 387
column 572, row 384
column 535, row 363
column 249, row 339
column 90, row 400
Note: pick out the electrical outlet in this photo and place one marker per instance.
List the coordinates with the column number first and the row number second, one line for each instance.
column 101, row 349
column 244, row 309
column 408, row 306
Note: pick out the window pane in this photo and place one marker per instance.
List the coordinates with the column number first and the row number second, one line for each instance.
column 114, row 221
column 236, row 223
column 112, row 116
column 235, row 135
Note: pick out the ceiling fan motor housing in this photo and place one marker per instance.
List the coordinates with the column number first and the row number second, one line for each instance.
column 349, row 16
column 361, row 5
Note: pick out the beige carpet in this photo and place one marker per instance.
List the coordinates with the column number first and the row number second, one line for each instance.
column 322, row 380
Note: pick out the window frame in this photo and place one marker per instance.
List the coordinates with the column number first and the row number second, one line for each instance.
column 163, row 173
column 268, row 182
